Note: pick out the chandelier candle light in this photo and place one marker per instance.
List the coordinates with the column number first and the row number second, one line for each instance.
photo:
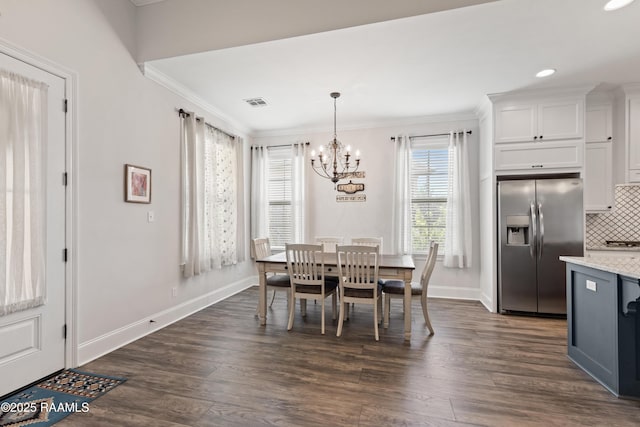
column 333, row 160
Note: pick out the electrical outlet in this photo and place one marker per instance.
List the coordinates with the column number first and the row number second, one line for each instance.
column 591, row 285
column 151, row 216
column 174, row 292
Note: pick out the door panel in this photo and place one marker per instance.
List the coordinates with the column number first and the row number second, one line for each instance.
column 561, row 233
column 32, row 340
column 517, row 269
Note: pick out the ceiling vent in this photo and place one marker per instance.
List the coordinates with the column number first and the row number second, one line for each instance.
column 256, row 102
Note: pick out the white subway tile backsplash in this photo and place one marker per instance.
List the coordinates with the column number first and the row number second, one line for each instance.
column 623, row 223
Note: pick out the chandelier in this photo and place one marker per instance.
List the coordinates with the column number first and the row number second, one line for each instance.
column 334, row 159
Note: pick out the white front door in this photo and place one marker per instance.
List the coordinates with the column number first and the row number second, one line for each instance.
column 32, row 343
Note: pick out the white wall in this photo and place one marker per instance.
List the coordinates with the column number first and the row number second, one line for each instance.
column 126, row 267
column 374, row 217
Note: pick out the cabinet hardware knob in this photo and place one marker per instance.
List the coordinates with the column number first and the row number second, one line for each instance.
column 535, row 137
column 609, row 139
column 540, row 136
column 608, row 207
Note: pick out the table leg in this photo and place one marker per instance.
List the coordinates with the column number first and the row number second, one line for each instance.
column 262, row 304
column 407, row 306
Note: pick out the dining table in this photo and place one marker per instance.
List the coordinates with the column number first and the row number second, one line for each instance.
column 389, row 267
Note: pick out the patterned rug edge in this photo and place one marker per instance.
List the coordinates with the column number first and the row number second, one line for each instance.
column 54, row 398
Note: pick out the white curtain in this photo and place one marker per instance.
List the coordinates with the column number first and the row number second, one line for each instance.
column 457, row 244
column 298, row 191
column 222, row 201
column 23, row 124
column 259, row 194
column 240, row 223
column 209, row 197
column 402, row 196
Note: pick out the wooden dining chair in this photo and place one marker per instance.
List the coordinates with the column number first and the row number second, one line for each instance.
column 395, row 288
column 306, row 270
column 329, row 243
column 261, row 248
column 368, row 241
column 358, row 271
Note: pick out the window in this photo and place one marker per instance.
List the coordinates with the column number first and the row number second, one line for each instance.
column 280, row 197
column 429, row 184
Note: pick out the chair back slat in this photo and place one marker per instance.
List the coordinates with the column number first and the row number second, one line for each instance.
column 305, row 264
column 260, row 248
column 368, row 241
column 358, row 266
column 329, row 243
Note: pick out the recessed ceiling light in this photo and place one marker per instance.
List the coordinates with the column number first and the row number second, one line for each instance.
column 546, row 73
column 616, row 4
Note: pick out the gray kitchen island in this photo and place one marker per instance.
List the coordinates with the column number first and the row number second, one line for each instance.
column 603, row 319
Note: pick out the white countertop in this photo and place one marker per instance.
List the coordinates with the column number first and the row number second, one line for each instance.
column 613, row 249
column 624, row 265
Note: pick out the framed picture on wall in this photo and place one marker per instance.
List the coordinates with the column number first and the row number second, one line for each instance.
column 137, row 184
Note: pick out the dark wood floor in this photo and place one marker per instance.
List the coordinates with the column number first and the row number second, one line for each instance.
column 220, row 368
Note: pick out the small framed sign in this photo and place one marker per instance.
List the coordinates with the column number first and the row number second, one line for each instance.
column 351, row 187
column 137, row 184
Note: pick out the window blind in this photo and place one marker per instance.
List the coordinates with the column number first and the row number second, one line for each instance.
column 429, row 187
column 279, row 196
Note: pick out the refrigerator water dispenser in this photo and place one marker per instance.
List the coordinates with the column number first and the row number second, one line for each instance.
column 518, row 230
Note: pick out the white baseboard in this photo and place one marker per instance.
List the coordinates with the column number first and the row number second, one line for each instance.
column 106, row 343
column 487, row 301
column 454, row 293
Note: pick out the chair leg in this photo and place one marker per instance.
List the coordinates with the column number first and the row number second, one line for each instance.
column 387, row 309
column 303, row 307
column 292, row 308
column 425, row 313
column 380, row 311
column 375, row 320
column 334, row 301
column 272, row 298
column 340, row 319
column 322, row 316
column 347, row 310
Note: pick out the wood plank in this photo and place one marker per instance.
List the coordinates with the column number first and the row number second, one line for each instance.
column 220, row 367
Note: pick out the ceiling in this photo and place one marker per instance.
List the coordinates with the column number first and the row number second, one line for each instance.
column 405, row 69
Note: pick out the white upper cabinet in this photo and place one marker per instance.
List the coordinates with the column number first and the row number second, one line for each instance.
column 533, row 157
column 545, row 120
column 598, row 124
column 633, row 136
column 598, row 177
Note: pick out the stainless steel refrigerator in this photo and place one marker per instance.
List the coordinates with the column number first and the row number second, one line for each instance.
column 538, row 221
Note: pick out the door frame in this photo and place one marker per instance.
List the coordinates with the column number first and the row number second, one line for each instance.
column 71, row 203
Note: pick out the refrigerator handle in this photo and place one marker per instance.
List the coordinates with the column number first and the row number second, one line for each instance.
column 533, row 234
column 541, row 240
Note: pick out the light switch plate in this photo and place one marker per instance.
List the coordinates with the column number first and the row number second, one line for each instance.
column 151, row 216
column 591, row 285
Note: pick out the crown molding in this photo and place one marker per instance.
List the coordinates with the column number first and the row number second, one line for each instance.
column 542, row 92
column 163, row 80
column 409, row 121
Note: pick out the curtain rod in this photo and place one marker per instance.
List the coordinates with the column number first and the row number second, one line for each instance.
column 283, row 145
column 183, row 113
column 393, row 138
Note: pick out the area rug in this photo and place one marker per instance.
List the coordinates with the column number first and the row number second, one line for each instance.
column 53, row 399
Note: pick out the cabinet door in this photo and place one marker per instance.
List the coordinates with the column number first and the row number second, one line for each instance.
column 535, row 156
column 598, row 123
column 634, row 132
column 560, row 120
column 598, row 181
column 514, row 123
